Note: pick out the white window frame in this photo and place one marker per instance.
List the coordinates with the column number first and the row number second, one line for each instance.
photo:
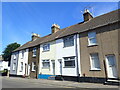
column 46, row 61
column 68, row 41
column 46, row 47
column 21, row 66
column 69, row 59
column 90, row 38
column 34, row 52
column 93, row 62
column 33, row 66
column 14, row 56
column 22, row 54
column 14, row 67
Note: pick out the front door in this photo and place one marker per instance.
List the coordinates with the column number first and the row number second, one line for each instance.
column 53, row 67
column 111, row 66
column 60, row 66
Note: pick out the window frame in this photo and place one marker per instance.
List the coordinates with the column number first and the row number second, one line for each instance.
column 74, row 59
column 22, row 54
column 21, row 66
column 68, row 41
column 46, row 47
column 14, row 67
column 90, row 38
column 33, row 66
column 93, row 66
column 34, row 52
column 46, row 61
column 15, row 56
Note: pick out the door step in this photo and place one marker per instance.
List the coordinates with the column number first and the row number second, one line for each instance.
column 112, row 82
column 51, row 78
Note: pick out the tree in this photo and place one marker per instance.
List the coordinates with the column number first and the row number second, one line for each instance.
column 8, row 51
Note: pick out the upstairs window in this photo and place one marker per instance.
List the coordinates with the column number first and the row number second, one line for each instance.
column 92, row 38
column 34, row 52
column 95, row 63
column 69, row 61
column 22, row 54
column 21, row 68
column 14, row 66
column 14, row 57
column 46, row 47
column 46, row 64
column 68, row 41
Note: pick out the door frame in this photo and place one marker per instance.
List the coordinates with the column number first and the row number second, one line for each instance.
column 60, row 64
column 53, row 70
column 107, row 65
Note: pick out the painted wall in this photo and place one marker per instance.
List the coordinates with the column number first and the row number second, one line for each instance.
column 23, row 59
column 44, row 55
column 61, row 52
column 14, row 72
column 3, row 65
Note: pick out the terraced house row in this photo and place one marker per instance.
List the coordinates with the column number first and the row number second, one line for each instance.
column 87, row 51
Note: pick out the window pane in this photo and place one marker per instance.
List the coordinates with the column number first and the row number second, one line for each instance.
column 95, row 61
column 69, row 61
column 68, row 41
column 92, row 38
column 111, row 61
column 92, row 41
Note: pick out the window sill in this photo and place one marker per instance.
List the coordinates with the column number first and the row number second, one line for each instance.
column 68, row 46
column 92, row 45
column 45, row 68
column 69, row 67
column 95, row 69
column 33, row 70
column 34, row 56
column 46, row 51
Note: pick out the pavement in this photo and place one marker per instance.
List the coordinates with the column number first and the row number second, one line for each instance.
column 16, row 82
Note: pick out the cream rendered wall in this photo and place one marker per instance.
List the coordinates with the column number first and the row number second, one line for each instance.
column 44, row 55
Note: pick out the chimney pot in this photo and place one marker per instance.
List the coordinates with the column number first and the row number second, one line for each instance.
column 35, row 36
column 87, row 15
column 55, row 28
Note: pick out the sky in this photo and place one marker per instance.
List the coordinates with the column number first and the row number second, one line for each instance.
column 21, row 19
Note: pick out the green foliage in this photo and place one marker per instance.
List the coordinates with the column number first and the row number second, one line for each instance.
column 8, row 51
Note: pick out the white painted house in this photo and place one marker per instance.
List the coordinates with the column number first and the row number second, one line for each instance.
column 19, row 63
column 3, row 64
column 67, row 56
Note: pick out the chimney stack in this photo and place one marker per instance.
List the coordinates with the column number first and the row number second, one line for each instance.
column 55, row 28
column 35, row 36
column 87, row 15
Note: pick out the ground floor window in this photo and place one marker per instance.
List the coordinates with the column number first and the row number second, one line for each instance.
column 33, row 66
column 69, row 61
column 45, row 64
column 14, row 66
column 95, row 63
column 21, row 68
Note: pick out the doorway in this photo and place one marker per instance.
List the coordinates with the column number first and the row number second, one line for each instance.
column 53, row 67
column 111, row 66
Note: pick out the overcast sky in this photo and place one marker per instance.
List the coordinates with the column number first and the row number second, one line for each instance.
column 20, row 19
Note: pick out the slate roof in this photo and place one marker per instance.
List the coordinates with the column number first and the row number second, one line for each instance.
column 95, row 22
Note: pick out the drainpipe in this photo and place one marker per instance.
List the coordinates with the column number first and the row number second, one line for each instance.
column 76, row 49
